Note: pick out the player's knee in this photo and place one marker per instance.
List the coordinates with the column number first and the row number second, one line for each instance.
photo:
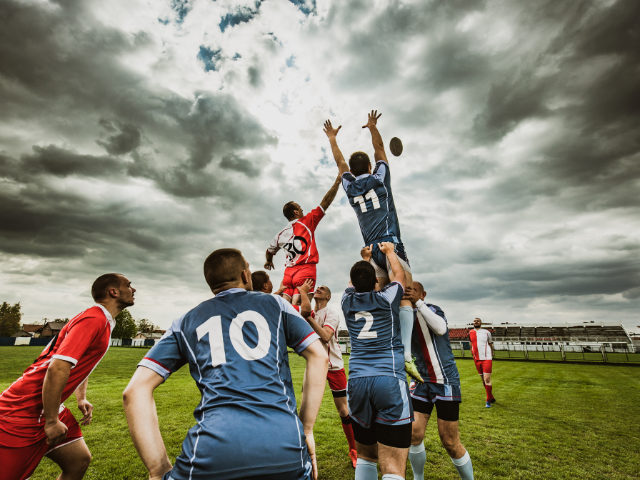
column 80, row 463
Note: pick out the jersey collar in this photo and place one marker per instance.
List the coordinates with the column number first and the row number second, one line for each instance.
column 110, row 319
column 229, row 291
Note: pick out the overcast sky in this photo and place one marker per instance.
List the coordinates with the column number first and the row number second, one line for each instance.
column 139, row 136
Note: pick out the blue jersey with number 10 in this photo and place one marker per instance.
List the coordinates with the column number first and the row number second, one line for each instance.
column 371, row 198
column 236, row 347
column 373, row 321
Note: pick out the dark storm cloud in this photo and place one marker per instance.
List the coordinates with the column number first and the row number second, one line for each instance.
column 124, row 137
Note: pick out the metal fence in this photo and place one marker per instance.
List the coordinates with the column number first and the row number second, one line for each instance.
column 556, row 353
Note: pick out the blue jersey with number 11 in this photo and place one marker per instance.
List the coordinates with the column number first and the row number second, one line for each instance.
column 371, row 198
column 236, row 347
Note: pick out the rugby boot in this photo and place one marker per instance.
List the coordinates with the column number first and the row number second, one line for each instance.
column 488, row 405
column 412, row 370
column 353, row 455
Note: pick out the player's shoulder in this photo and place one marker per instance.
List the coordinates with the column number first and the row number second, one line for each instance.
column 95, row 314
column 436, row 309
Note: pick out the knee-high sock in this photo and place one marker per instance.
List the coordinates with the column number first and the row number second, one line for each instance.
column 406, row 327
column 464, row 467
column 366, row 470
column 488, row 388
column 348, row 431
column 417, row 457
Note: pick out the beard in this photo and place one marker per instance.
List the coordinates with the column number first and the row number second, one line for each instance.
column 124, row 303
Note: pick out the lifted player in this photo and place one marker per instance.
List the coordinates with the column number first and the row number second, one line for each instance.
column 262, row 283
column 298, row 239
column 434, row 359
column 325, row 322
column 482, row 351
column 33, row 419
column 377, row 389
column 370, row 196
column 236, row 347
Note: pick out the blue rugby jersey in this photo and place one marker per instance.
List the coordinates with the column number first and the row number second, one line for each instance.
column 373, row 321
column 434, row 358
column 236, row 347
column 371, row 198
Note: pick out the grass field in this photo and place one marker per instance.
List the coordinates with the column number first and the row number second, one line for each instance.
column 551, row 420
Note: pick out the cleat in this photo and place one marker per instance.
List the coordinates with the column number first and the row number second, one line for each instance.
column 412, row 370
column 488, row 405
column 353, row 455
column 493, row 400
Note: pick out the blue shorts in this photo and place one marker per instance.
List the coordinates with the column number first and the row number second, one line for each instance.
column 379, row 399
column 380, row 262
column 301, row 474
column 430, row 392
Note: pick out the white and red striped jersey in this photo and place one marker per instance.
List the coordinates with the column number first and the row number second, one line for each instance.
column 480, row 340
column 298, row 239
column 328, row 318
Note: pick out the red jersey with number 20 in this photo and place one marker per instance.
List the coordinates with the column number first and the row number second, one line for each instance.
column 83, row 341
column 480, row 340
column 298, row 239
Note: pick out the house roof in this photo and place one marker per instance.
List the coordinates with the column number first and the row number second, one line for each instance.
column 30, row 328
column 56, row 325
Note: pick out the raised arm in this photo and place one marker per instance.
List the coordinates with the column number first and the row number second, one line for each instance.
column 388, row 249
column 376, row 139
column 142, row 417
column 305, row 303
column 330, row 195
column 313, row 387
column 337, row 154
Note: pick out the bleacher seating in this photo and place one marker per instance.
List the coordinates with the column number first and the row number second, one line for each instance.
column 458, row 334
column 527, row 332
column 500, row 332
column 513, row 332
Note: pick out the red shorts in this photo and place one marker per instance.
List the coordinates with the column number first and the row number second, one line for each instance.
column 483, row 366
column 23, row 443
column 337, row 382
column 295, row 276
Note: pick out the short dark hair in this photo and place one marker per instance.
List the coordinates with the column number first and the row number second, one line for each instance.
column 421, row 289
column 259, row 280
column 359, row 163
column 288, row 210
column 223, row 266
column 363, row 276
column 103, row 284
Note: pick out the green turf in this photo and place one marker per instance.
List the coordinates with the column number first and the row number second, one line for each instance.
column 552, row 420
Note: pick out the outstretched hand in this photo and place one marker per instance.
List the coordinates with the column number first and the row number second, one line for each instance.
column 411, row 294
column 365, row 253
column 330, row 131
column 269, row 266
column 305, row 287
column 373, row 119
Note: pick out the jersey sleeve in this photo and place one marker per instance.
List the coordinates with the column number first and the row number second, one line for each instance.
column 332, row 320
column 312, row 219
column 489, row 339
column 274, row 246
column 79, row 337
column 297, row 332
column 392, row 293
column 167, row 355
column 381, row 171
column 347, row 179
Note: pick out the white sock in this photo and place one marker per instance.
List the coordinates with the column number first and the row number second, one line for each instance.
column 417, row 457
column 366, row 470
column 406, row 327
column 464, row 467
column 390, row 476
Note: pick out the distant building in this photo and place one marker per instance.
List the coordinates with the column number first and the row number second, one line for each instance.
column 149, row 336
column 31, row 328
column 50, row 329
column 22, row 333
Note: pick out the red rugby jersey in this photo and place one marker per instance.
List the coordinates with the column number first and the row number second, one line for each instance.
column 83, row 341
column 298, row 239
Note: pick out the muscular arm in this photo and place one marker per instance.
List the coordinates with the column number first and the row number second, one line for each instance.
column 52, row 388
column 330, row 195
column 325, row 333
column 435, row 321
column 142, row 417
column 269, row 264
column 491, row 347
column 376, row 138
column 83, row 405
column 398, row 272
column 337, row 154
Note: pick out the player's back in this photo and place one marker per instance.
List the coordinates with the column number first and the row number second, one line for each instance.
column 434, row 357
column 236, row 348
column 371, row 198
column 374, row 330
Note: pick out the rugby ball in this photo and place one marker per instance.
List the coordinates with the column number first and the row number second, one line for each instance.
column 395, row 145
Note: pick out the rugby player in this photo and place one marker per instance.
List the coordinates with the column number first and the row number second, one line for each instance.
column 325, row 322
column 299, row 241
column 33, row 419
column 434, row 358
column 377, row 390
column 235, row 345
column 482, row 351
column 371, row 197
column 262, row 283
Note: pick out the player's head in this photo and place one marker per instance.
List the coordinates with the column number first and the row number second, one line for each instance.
column 226, row 268
column 322, row 293
column 477, row 323
column 113, row 286
column 363, row 276
column 292, row 211
column 359, row 163
column 418, row 286
column 261, row 282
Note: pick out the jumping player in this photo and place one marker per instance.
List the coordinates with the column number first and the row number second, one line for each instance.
column 33, row 419
column 482, row 351
column 434, row 358
column 377, row 390
column 298, row 239
column 370, row 196
column 325, row 322
column 236, row 347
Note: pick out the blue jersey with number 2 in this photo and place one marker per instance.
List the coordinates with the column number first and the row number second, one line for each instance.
column 373, row 322
column 236, row 347
column 371, row 198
